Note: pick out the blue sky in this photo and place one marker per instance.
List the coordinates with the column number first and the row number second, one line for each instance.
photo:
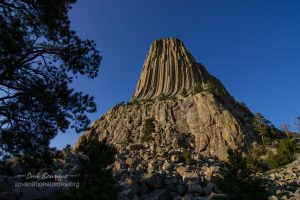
column 253, row 47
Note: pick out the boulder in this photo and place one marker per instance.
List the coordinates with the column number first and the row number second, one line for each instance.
column 156, row 195
column 130, row 161
column 135, row 147
column 153, row 181
column 180, row 170
column 189, row 176
column 166, row 166
column 175, row 158
column 195, row 188
column 209, row 188
column 181, row 188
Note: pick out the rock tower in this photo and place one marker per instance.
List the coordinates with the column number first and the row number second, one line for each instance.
column 168, row 69
column 188, row 107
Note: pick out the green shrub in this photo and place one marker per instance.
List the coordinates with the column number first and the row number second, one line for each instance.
column 285, row 151
column 238, row 182
column 148, row 129
column 197, row 89
column 96, row 180
column 268, row 140
column 285, row 154
column 173, row 98
column 210, row 87
column 254, row 162
column 133, row 102
column 129, row 137
column 187, row 156
column 244, row 106
column 184, row 92
column 162, row 97
column 147, row 100
column 272, row 160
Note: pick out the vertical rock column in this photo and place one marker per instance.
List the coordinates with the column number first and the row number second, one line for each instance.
column 168, row 68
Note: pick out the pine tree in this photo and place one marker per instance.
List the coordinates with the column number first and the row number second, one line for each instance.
column 39, row 58
column 148, row 129
column 95, row 176
column 262, row 126
column 237, row 181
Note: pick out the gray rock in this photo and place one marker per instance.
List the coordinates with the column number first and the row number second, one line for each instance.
column 166, row 166
column 195, row 188
column 213, row 196
column 187, row 197
column 191, row 177
column 273, row 197
column 126, row 192
column 135, row 147
column 130, row 161
column 153, row 181
column 209, row 188
column 156, row 195
column 181, row 188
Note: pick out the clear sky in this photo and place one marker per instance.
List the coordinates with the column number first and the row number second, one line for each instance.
column 253, row 47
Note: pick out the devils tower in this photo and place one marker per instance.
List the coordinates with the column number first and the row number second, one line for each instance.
column 168, row 69
column 185, row 106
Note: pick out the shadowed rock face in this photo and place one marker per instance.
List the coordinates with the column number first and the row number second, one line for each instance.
column 169, row 68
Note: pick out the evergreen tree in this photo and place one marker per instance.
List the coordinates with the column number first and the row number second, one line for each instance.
column 148, row 129
column 39, row 57
column 237, row 182
column 262, row 126
column 285, row 154
column 95, row 176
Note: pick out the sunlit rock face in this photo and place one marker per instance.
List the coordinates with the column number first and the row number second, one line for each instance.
column 208, row 121
column 169, row 68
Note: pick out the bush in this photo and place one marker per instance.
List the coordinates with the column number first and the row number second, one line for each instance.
column 265, row 129
column 184, row 92
column 147, row 100
column 187, row 156
column 6, row 167
column 173, row 98
column 244, row 106
column 129, row 137
column 197, row 89
column 95, row 178
column 238, row 182
column 133, row 102
column 210, row 86
column 162, row 97
column 254, row 162
column 285, row 154
column 268, row 140
column 271, row 160
column 148, row 129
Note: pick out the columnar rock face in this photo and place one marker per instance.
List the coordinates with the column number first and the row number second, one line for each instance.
column 207, row 120
column 168, row 69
